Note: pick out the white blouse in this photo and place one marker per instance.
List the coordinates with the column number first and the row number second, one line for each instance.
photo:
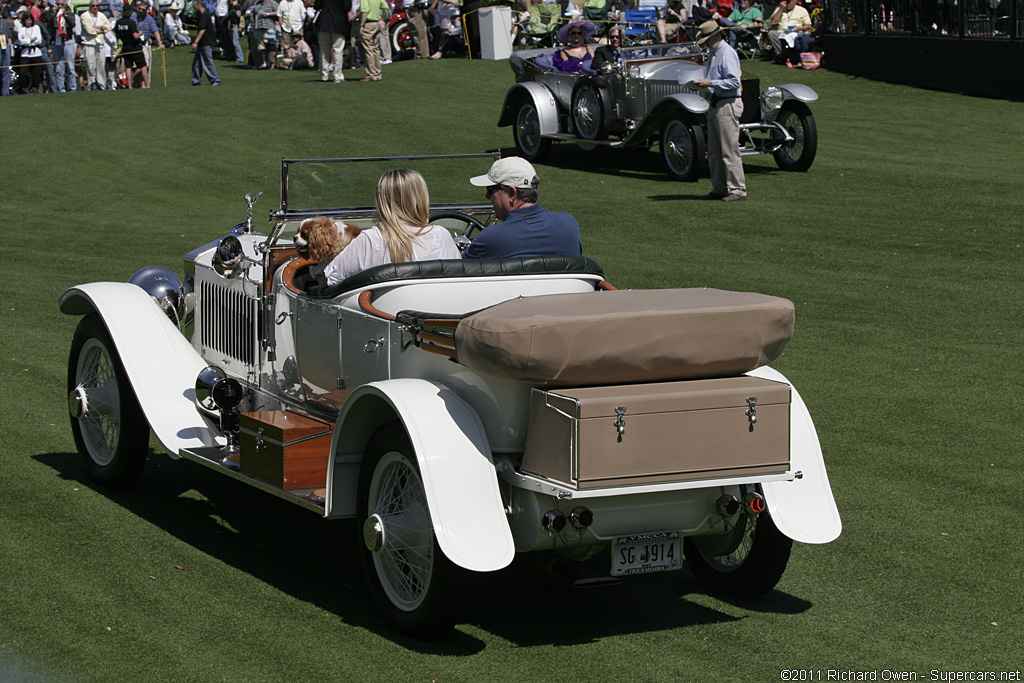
column 30, row 37
column 368, row 250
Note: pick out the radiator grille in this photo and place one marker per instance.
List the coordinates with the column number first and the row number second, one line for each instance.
column 228, row 322
column 655, row 90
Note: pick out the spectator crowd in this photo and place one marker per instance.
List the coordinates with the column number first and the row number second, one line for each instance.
column 55, row 46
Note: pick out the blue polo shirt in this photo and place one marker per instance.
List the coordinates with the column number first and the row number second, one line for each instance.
column 147, row 25
column 530, row 231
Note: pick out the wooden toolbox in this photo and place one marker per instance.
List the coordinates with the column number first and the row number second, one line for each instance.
column 286, row 449
column 653, row 433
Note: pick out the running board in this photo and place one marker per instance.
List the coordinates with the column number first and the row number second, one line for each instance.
column 213, row 457
column 569, row 137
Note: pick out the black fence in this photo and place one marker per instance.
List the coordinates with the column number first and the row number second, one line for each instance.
column 937, row 18
column 973, row 47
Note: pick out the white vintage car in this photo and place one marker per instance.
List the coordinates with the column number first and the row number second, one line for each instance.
column 648, row 97
column 462, row 411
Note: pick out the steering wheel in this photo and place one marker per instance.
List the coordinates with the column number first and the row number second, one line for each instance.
column 473, row 226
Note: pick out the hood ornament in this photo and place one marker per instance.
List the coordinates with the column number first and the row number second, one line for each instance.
column 250, row 200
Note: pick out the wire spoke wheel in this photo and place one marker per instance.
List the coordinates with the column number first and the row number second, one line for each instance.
column 96, row 381
column 527, row 135
column 799, row 154
column 728, row 552
column 682, row 149
column 746, row 562
column 108, row 425
column 588, row 116
column 409, row 576
column 405, row 561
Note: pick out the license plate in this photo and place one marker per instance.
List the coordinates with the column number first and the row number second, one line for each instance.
column 647, row 553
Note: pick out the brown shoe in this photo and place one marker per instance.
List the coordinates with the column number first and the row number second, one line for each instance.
column 734, row 198
column 714, row 195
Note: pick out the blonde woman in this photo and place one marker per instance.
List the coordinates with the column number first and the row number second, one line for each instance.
column 403, row 231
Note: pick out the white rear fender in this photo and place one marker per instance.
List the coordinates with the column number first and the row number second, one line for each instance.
column 804, row 508
column 455, row 464
column 160, row 363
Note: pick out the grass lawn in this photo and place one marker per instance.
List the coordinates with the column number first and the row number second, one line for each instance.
column 901, row 247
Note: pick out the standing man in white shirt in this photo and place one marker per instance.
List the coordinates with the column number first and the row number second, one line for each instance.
column 284, row 23
column 95, row 26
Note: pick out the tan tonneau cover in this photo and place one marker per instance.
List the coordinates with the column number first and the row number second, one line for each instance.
column 626, row 336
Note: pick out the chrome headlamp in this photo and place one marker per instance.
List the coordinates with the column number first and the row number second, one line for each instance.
column 165, row 287
column 208, row 377
column 772, row 98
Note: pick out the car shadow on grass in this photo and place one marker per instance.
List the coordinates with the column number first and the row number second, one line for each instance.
column 526, row 603
column 529, row 605
column 635, row 164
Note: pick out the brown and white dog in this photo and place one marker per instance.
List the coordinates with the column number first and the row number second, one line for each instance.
column 321, row 239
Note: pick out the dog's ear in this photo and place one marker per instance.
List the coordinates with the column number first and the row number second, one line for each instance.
column 319, row 249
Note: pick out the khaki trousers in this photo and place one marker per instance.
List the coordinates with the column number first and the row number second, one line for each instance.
column 724, row 148
column 369, row 35
column 417, row 17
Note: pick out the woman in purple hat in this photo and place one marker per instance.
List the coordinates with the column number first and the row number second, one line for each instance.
column 576, row 55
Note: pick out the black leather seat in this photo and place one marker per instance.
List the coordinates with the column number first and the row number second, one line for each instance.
column 428, row 270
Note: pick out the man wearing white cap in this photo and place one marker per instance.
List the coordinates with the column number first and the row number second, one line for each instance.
column 526, row 228
column 722, row 79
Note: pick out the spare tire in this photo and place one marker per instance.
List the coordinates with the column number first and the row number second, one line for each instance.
column 591, row 110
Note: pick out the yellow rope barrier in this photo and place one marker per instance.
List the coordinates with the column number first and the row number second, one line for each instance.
column 77, row 61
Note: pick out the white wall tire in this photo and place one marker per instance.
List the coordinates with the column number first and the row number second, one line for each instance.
column 400, row 33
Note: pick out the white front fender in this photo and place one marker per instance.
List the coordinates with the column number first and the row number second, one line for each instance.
column 804, row 508
column 161, row 364
column 455, row 464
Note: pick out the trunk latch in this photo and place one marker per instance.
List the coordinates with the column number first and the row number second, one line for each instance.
column 620, row 421
column 751, row 412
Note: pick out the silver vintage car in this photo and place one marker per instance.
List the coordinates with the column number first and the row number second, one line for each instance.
column 461, row 411
column 647, row 97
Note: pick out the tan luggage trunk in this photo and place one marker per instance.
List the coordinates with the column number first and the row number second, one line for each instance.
column 649, row 335
column 653, row 433
column 286, row 449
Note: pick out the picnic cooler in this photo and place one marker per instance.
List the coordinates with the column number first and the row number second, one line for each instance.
column 286, row 449
column 654, row 433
